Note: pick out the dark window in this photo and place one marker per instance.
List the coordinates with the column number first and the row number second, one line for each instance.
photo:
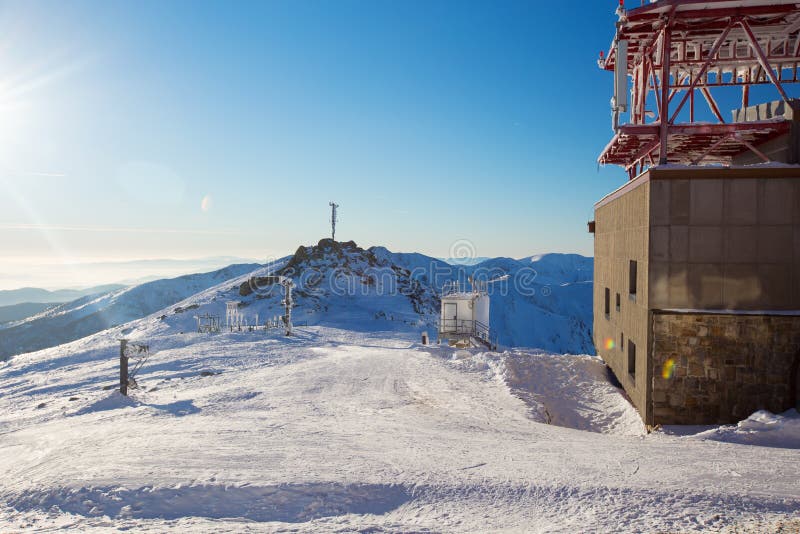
column 631, row 359
column 622, row 342
column 617, row 301
column 607, row 302
column 632, row 278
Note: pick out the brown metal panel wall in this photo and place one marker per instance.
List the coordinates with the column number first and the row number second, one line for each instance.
column 722, row 242
column 621, row 235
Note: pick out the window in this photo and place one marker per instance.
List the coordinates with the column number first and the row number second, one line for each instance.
column 632, row 359
column 622, row 342
column 617, row 301
column 607, row 302
column 632, row 279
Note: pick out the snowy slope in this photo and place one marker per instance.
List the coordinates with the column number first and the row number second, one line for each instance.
column 345, row 286
column 337, row 430
column 546, row 302
column 93, row 313
column 37, row 295
column 561, row 268
column 336, row 284
column 17, row 312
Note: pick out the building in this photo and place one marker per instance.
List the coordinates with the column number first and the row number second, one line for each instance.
column 697, row 256
column 465, row 315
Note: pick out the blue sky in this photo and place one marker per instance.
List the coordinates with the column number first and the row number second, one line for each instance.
column 428, row 122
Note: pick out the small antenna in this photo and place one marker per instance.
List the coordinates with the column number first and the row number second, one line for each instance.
column 333, row 206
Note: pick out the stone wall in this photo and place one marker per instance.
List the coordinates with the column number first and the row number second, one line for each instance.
column 719, row 368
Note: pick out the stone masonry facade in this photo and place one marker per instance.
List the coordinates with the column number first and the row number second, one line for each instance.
column 720, row 368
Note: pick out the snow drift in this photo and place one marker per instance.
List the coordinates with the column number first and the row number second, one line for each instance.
column 762, row 428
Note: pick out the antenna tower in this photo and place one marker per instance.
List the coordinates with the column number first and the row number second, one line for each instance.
column 333, row 206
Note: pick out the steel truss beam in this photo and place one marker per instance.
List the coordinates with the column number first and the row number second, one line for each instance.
column 685, row 46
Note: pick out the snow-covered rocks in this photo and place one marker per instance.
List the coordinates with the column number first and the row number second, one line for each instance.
column 341, row 283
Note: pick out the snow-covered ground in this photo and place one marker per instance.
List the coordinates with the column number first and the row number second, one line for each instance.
column 352, row 425
column 337, row 430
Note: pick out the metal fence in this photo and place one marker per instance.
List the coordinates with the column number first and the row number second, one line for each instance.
column 467, row 327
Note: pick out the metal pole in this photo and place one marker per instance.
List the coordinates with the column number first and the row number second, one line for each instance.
column 762, row 58
column 703, row 70
column 288, row 306
column 333, row 206
column 123, row 367
column 666, row 46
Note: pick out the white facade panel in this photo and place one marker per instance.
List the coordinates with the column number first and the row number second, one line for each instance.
column 481, row 309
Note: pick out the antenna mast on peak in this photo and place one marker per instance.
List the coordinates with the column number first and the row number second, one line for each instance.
column 333, row 206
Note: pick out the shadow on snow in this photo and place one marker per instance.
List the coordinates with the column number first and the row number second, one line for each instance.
column 282, row 502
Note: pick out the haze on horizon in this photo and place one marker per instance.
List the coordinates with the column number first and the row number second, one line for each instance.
column 51, row 274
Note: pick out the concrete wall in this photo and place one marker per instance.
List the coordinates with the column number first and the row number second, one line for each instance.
column 785, row 148
column 621, row 235
column 724, row 367
column 782, row 149
column 725, row 239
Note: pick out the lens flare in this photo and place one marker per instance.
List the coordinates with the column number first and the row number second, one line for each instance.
column 609, row 343
column 669, row 369
column 206, row 203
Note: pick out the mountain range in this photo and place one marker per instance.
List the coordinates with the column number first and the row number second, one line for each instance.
column 10, row 297
column 544, row 302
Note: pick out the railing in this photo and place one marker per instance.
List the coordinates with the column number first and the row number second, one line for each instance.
column 481, row 331
column 468, row 327
column 456, row 326
column 453, row 287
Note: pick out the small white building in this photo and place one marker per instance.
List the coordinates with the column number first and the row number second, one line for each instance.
column 465, row 315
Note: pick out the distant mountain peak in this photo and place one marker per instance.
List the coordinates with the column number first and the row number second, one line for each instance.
column 341, row 275
column 327, row 249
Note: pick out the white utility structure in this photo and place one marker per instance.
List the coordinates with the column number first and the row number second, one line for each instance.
column 234, row 320
column 287, row 301
column 465, row 313
column 207, row 323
